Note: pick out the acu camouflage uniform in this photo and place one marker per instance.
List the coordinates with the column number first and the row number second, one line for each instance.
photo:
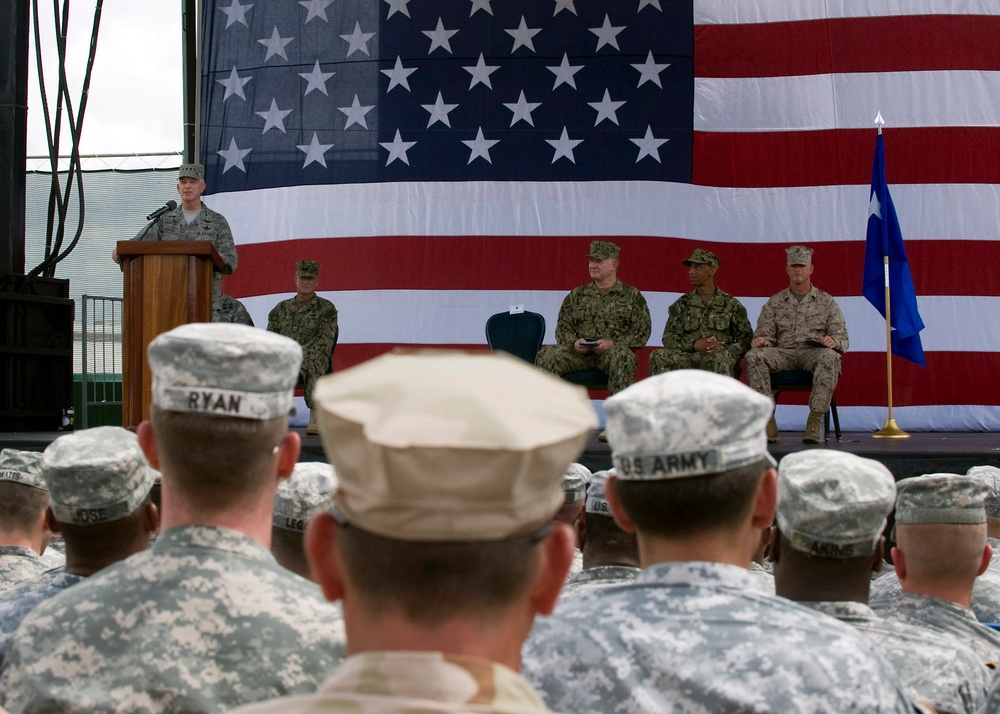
column 596, row 578
column 313, row 325
column 203, row 621
column 18, row 564
column 702, row 637
column 18, row 602
column 933, row 667
column 794, row 328
column 426, row 682
column 690, row 319
column 620, row 314
column 208, row 225
column 985, row 602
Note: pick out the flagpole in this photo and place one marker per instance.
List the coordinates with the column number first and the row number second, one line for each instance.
column 889, row 430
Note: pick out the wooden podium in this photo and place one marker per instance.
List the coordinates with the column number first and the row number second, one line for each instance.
column 167, row 283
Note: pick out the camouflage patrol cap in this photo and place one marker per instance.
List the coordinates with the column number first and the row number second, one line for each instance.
column 686, row 422
column 833, row 504
column 799, row 255
column 306, row 491
column 96, row 475
column 702, row 257
column 450, row 446
column 195, row 171
column 22, row 467
column 990, row 475
column 602, row 250
column 940, row 498
column 597, row 502
column 307, row 269
column 220, row 369
column 575, row 482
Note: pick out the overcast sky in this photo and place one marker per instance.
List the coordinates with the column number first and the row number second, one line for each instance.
column 135, row 102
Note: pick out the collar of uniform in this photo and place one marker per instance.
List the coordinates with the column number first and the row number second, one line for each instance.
column 699, row 573
column 605, row 572
column 211, row 538
column 789, row 297
column 20, row 550
column 435, row 677
column 616, row 288
column 844, row 610
column 920, row 604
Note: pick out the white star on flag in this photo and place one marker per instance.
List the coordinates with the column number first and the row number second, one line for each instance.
column 651, row 3
column 234, row 85
column 274, row 118
column 874, row 206
column 480, row 146
column 564, row 146
column 649, row 71
column 481, row 72
column 564, row 72
column 316, row 8
column 606, row 109
column 356, row 113
column 233, row 156
column 607, row 34
column 358, row 40
column 478, row 5
column 236, row 13
column 440, row 37
column 397, row 149
column 398, row 75
column 316, row 79
column 649, row 145
column 439, row 111
column 314, row 151
column 522, row 35
column 522, row 110
column 275, row 45
column 397, row 6
column 564, row 5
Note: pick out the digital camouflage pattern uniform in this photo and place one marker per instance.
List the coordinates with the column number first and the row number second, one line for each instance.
column 985, row 604
column 943, row 616
column 226, row 308
column 18, row 602
column 596, row 578
column 203, row 621
column 313, row 325
column 933, row 667
column 17, row 564
column 620, row 314
column 691, row 318
column 426, row 682
column 208, row 225
column 702, row 637
column 794, row 328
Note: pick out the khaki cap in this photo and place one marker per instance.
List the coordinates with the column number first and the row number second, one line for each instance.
column 450, row 446
column 799, row 255
column 22, row 467
column 833, row 504
column 702, row 257
column 602, row 250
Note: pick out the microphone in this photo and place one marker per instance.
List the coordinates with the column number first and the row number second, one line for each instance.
column 171, row 205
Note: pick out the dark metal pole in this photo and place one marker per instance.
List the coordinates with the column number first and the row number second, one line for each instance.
column 191, row 79
column 13, row 132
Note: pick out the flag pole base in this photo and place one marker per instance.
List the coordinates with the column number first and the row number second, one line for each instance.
column 890, row 430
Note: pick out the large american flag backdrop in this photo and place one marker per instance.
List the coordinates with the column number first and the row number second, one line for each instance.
column 445, row 159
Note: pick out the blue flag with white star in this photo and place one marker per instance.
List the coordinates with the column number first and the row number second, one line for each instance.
column 359, row 91
column 885, row 239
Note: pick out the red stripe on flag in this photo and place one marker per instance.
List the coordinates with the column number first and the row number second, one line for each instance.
column 560, row 263
column 833, row 157
column 870, row 44
column 957, row 375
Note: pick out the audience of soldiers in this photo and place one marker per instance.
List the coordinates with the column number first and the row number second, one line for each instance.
column 440, row 537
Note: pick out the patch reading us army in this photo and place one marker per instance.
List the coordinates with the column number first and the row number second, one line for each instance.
column 598, row 505
column 654, row 467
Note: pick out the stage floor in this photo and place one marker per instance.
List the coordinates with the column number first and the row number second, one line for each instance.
column 922, row 453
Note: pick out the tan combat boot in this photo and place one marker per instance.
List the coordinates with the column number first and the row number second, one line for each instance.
column 814, row 426
column 603, row 436
column 772, row 431
column 313, row 428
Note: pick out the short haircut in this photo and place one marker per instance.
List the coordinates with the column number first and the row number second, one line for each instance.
column 431, row 582
column 942, row 551
column 216, row 461
column 288, row 549
column 682, row 507
column 604, row 535
column 21, row 506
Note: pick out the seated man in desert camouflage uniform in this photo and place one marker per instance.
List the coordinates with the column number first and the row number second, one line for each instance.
column 312, row 322
column 707, row 328
column 600, row 325
column 801, row 327
column 441, row 543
